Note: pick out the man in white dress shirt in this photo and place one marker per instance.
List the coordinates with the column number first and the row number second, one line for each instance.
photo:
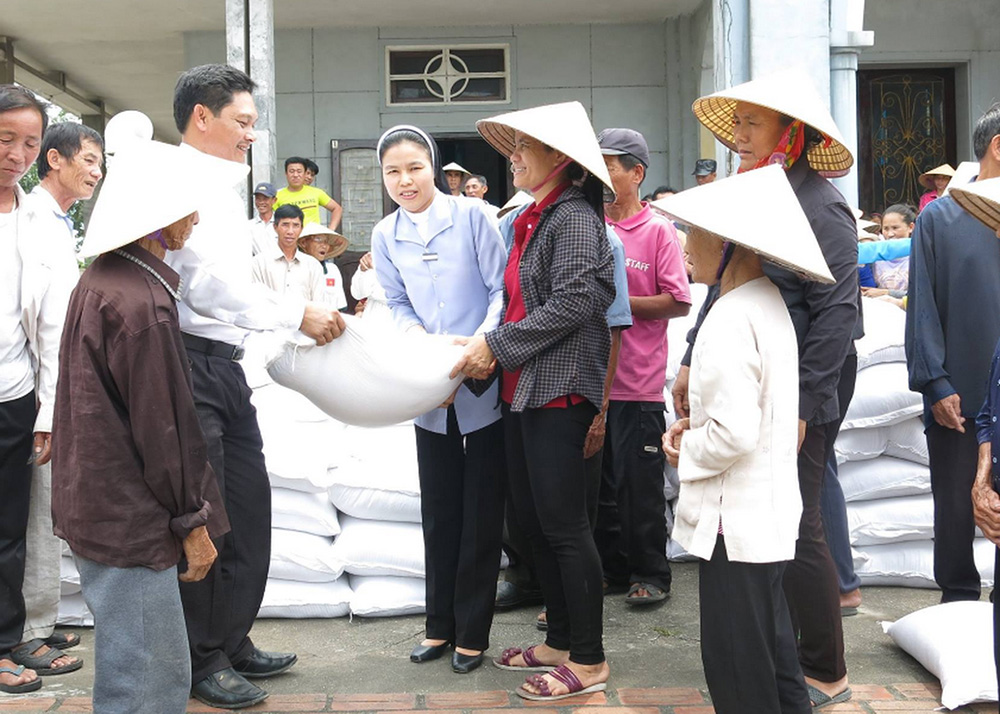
column 288, row 270
column 262, row 225
column 215, row 113
column 69, row 168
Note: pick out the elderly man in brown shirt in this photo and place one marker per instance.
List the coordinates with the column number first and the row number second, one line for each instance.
column 133, row 492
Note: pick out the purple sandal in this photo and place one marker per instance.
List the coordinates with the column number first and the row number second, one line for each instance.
column 531, row 663
column 562, row 674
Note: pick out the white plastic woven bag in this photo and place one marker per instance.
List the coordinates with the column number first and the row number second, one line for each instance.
column 371, row 375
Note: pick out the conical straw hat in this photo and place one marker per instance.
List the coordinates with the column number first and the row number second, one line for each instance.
column 565, row 127
column 178, row 177
column 981, row 199
column 455, row 167
column 927, row 177
column 521, row 198
column 338, row 243
column 747, row 209
column 789, row 92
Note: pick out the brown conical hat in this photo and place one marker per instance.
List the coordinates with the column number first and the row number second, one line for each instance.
column 927, row 177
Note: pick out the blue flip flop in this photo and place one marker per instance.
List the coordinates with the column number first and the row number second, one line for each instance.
column 18, row 688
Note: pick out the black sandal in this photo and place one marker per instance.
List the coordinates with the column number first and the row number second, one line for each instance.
column 62, row 640
column 653, row 594
column 42, row 663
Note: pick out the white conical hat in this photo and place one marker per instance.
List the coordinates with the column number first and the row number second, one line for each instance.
column 178, row 178
column 455, row 167
column 789, row 92
column 981, row 199
column 565, row 127
column 747, row 209
column 926, row 179
column 521, row 198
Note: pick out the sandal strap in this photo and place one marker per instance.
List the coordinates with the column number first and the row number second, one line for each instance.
column 564, row 674
column 25, row 655
column 16, row 671
column 530, row 659
column 508, row 654
column 538, row 681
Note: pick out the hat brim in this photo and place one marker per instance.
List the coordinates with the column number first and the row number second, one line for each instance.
column 926, row 179
column 501, row 137
column 982, row 200
column 716, row 114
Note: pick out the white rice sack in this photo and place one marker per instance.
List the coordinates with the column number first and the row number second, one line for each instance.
column 380, row 548
column 69, row 576
column 381, row 596
column 891, row 520
column 303, row 557
column 883, row 477
column 861, row 444
column 954, row 642
column 307, row 512
column 885, row 327
column 257, row 349
column 882, row 397
column 277, row 406
column 378, row 479
column 911, row 564
column 906, row 440
column 286, row 599
column 371, row 375
column 299, row 455
column 73, row 612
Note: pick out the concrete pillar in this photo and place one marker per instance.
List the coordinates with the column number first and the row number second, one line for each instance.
column 731, row 23
column 250, row 47
column 791, row 32
column 7, row 60
column 846, row 42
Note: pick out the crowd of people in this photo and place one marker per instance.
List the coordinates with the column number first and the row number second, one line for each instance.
column 553, row 448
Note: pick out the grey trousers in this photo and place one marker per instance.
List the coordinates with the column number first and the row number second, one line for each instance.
column 41, row 563
column 141, row 658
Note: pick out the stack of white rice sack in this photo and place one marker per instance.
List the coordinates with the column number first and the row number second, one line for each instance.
column 883, row 464
column 345, row 506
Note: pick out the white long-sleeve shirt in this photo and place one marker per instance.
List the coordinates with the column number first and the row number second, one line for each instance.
column 739, row 458
column 220, row 301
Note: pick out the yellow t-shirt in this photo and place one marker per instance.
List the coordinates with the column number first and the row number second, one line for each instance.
column 308, row 198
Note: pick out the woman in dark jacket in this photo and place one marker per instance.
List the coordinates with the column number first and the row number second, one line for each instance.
column 551, row 349
column 781, row 119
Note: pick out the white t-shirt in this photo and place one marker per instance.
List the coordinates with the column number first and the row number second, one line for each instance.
column 17, row 378
column 422, row 223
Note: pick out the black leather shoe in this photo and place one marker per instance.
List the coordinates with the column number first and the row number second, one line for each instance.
column 425, row 653
column 510, row 596
column 463, row 664
column 227, row 690
column 265, row 664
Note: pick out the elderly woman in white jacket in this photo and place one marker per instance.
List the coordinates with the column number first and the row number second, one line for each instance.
column 739, row 503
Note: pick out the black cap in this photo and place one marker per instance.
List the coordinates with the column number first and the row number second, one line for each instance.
column 618, row 142
column 704, row 167
column 265, row 189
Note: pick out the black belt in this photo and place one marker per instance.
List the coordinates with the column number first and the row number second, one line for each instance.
column 212, row 348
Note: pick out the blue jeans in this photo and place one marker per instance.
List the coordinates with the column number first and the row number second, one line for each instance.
column 838, row 537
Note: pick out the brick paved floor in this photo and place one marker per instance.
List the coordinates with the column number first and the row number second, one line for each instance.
column 907, row 698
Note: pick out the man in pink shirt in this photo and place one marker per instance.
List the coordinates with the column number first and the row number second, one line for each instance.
column 631, row 531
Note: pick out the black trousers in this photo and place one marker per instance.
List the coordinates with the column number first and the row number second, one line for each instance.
column 631, row 533
column 220, row 609
column 17, row 419
column 954, row 457
column 548, row 482
column 521, row 570
column 747, row 643
column 462, row 485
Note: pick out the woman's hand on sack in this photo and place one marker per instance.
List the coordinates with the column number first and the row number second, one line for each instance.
column 366, row 263
column 477, row 361
column 672, row 440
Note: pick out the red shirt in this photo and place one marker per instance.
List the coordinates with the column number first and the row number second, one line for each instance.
column 524, row 228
